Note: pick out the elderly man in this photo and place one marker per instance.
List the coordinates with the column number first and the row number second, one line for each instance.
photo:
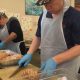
column 58, row 34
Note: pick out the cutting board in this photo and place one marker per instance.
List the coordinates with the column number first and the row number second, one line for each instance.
column 6, row 72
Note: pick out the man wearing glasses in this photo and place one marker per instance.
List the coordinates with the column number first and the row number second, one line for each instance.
column 58, row 34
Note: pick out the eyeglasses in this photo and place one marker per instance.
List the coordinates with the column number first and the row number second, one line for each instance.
column 42, row 2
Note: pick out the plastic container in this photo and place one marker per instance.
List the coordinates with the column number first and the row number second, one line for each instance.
column 59, row 74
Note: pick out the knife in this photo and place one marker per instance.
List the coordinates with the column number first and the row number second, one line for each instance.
column 17, row 70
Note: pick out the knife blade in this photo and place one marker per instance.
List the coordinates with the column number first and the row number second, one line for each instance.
column 1, row 66
column 17, row 70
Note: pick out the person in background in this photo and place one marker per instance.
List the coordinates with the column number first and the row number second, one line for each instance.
column 11, row 35
column 58, row 35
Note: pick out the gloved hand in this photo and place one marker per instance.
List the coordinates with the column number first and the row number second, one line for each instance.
column 48, row 67
column 2, row 44
column 25, row 59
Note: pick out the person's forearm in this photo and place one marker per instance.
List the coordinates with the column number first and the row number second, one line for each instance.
column 11, row 37
column 68, row 55
column 35, row 45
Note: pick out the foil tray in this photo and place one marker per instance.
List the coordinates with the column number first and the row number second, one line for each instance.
column 4, row 63
column 10, row 62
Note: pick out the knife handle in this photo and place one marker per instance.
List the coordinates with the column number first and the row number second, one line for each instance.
column 22, row 65
column 79, row 71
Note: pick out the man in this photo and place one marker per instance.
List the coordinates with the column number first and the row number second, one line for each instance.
column 11, row 35
column 58, row 34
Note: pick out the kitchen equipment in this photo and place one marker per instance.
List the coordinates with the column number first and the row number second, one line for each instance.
column 16, row 71
column 6, row 72
column 5, row 63
column 57, row 75
column 9, row 71
column 9, row 58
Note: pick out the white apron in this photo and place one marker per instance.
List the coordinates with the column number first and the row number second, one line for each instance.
column 53, row 42
column 11, row 45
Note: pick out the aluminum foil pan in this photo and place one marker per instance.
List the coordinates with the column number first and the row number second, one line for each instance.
column 9, row 58
column 8, row 63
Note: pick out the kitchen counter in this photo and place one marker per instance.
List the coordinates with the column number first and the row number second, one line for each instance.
column 6, row 72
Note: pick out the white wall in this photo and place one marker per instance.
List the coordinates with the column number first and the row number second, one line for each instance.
column 13, row 7
column 17, row 6
column 73, row 3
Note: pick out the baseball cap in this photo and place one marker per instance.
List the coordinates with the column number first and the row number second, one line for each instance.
column 42, row 2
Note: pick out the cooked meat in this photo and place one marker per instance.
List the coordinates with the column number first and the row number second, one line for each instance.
column 3, row 55
column 12, row 57
column 30, row 74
